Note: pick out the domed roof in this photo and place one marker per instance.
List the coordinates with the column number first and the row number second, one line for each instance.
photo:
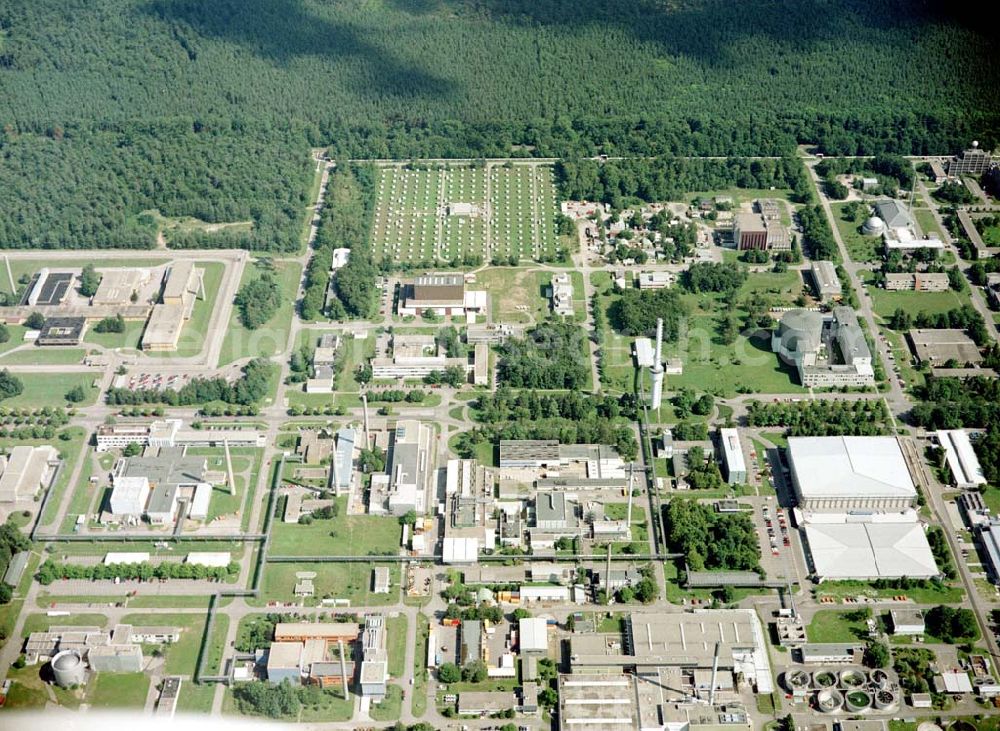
column 800, row 330
column 66, row 660
column 874, row 225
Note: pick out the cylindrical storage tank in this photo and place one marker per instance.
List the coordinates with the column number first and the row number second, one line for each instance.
column 829, row 700
column 68, row 669
column 884, row 699
column 857, row 700
column 880, row 678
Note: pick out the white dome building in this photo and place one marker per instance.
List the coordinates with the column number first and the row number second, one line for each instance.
column 874, row 226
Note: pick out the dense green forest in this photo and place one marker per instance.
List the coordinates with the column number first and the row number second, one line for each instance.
column 109, row 108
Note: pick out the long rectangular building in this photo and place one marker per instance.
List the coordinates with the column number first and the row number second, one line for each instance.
column 966, row 472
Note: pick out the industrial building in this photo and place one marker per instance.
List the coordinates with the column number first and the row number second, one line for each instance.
column 561, row 294
column 533, row 636
column 734, row 466
column 400, row 356
column 182, row 285
column 869, row 550
column 120, row 286
column 301, row 652
column 988, row 538
column 171, row 478
column 841, row 474
column 644, row 353
column 171, row 433
column 443, row 294
column 825, row 280
column 600, row 460
column 494, row 333
column 129, row 497
column 827, row 351
column 677, row 645
column 940, row 346
column 908, row 622
column 410, row 468
column 374, row 674
column 118, row 650
column 24, row 470
column 65, row 331
column 917, row 282
column 966, row 472
column 343, row 461
column 656, row 280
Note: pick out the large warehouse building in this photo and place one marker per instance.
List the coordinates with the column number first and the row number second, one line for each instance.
column 843, row 474
column 870, row 550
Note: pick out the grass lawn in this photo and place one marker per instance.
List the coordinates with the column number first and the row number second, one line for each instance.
column 130, row 339
column 419, row 703
column 390, row 708
column 396, row 632
column 84, row 493
column 352, row 535
column 195, row 698
column 119, row 690
column 885, row 303
column 15, row 332
column 272, row 337
column 517, row 295
column 859, row 247
column 351, row 581
column 182, row 656
column 829, row 625
column 216, row 644
column 926, row 222
column 49, row 389
column 35, row 355
column 41, row 622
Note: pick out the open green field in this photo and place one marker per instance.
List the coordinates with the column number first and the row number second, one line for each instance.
column 513, row 213
column 272, row 337
column 119, row 690
column 860, row 248
column 345, row 535
column 709, row 365
column 352, row 581
column 885, row 303
column 50, row 389
column 829, row 625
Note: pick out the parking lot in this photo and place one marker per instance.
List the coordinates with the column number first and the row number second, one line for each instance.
column 775, row 533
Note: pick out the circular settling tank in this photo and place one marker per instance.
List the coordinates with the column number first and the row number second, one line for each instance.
column 824, row 679
column 829, row 700
column 852, row 678
column 884, row 699
column 858, row 700
column 796, row 680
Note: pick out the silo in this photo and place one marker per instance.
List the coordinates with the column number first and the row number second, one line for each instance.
column 68, row 669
